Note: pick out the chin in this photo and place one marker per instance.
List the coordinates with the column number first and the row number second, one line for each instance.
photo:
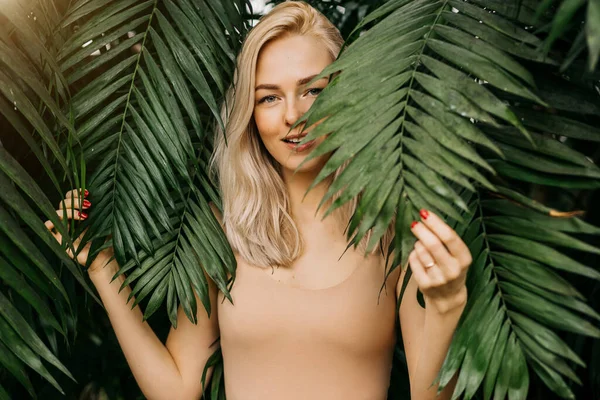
column 313, row 166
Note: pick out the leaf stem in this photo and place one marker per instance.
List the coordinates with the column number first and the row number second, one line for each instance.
column 412, row 77
column 487, row 245
column 131, row 86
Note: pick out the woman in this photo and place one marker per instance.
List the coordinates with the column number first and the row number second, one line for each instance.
column 305, row 323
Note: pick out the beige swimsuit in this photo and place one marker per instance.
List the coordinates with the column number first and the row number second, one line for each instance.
column 281, row 342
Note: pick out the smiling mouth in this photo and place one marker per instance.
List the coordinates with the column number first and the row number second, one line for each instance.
column 293, row 143
column 294, row 139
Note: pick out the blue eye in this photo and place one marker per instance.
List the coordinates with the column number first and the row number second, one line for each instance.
column 314, row 91
column 267, row 99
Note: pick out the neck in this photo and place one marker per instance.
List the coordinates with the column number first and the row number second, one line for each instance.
column 304, row 205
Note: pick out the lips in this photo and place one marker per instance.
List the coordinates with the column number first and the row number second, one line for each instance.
column 289, row 138
column 295, row 146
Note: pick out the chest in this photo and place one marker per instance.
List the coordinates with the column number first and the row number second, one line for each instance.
column 326, row 296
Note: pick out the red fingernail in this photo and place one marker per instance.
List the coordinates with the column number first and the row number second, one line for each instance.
column 86, row 203
column 82, row 215
column 424, row 213
column 413, row 224
column 86, row 193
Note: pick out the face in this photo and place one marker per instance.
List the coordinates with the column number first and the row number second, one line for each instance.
column 282, row 95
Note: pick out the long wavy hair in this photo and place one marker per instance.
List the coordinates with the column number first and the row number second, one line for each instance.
column 256, row 209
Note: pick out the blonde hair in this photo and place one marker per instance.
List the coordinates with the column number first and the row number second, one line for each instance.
column 256, row 209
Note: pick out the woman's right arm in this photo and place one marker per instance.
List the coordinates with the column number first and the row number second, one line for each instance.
column 169, row 372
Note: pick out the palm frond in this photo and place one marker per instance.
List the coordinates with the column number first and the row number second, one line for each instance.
column 174, row 267
column 143, row 121
column 418, row 33
column 523, row 12
column 570, row 15
column 33, row 98
column 516, row 300
column 217, row 383
column 435, row 97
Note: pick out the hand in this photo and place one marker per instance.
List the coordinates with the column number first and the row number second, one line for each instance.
column 439, row 263
column 74, row 207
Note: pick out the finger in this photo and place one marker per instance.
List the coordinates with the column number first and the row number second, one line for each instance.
column 418, row 271
column 81, row 255
column 76, row 193
column 49, row 225
column 447, row 236
column 71, row 214
column 424, row 256
column 432, row 243
column 439, row 273
column 57, row 236
column 80, row 238
column 74, row 203
column 435, row 271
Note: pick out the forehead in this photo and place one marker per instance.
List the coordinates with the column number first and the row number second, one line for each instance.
column 291, row 58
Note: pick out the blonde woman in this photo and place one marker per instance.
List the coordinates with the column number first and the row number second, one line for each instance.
column 305, row 323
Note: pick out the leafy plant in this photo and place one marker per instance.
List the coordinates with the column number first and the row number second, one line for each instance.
column 147, row 140
column 567, row 18
column 455, row 122
column 34, row 92
column 116, row 83
column 467, row 106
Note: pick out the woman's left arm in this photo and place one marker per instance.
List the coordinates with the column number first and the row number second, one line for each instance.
column 439, row 264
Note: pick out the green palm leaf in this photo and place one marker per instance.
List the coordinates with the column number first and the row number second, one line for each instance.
column 143, row 124
column 441, row 95
column 427, row 109
column 567, row 14
column 434, row 112
column 33, row 97
column 511, row 283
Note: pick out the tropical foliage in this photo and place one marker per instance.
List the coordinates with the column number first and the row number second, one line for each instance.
column 453, row 119
column 117, row 84
column 485, row 111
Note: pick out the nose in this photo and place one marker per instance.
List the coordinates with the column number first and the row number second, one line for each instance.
column 292, row 112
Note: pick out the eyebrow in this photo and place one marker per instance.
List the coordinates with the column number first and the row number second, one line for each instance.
column 300, row 82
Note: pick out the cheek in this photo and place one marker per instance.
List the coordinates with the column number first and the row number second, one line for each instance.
column 266, row 123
